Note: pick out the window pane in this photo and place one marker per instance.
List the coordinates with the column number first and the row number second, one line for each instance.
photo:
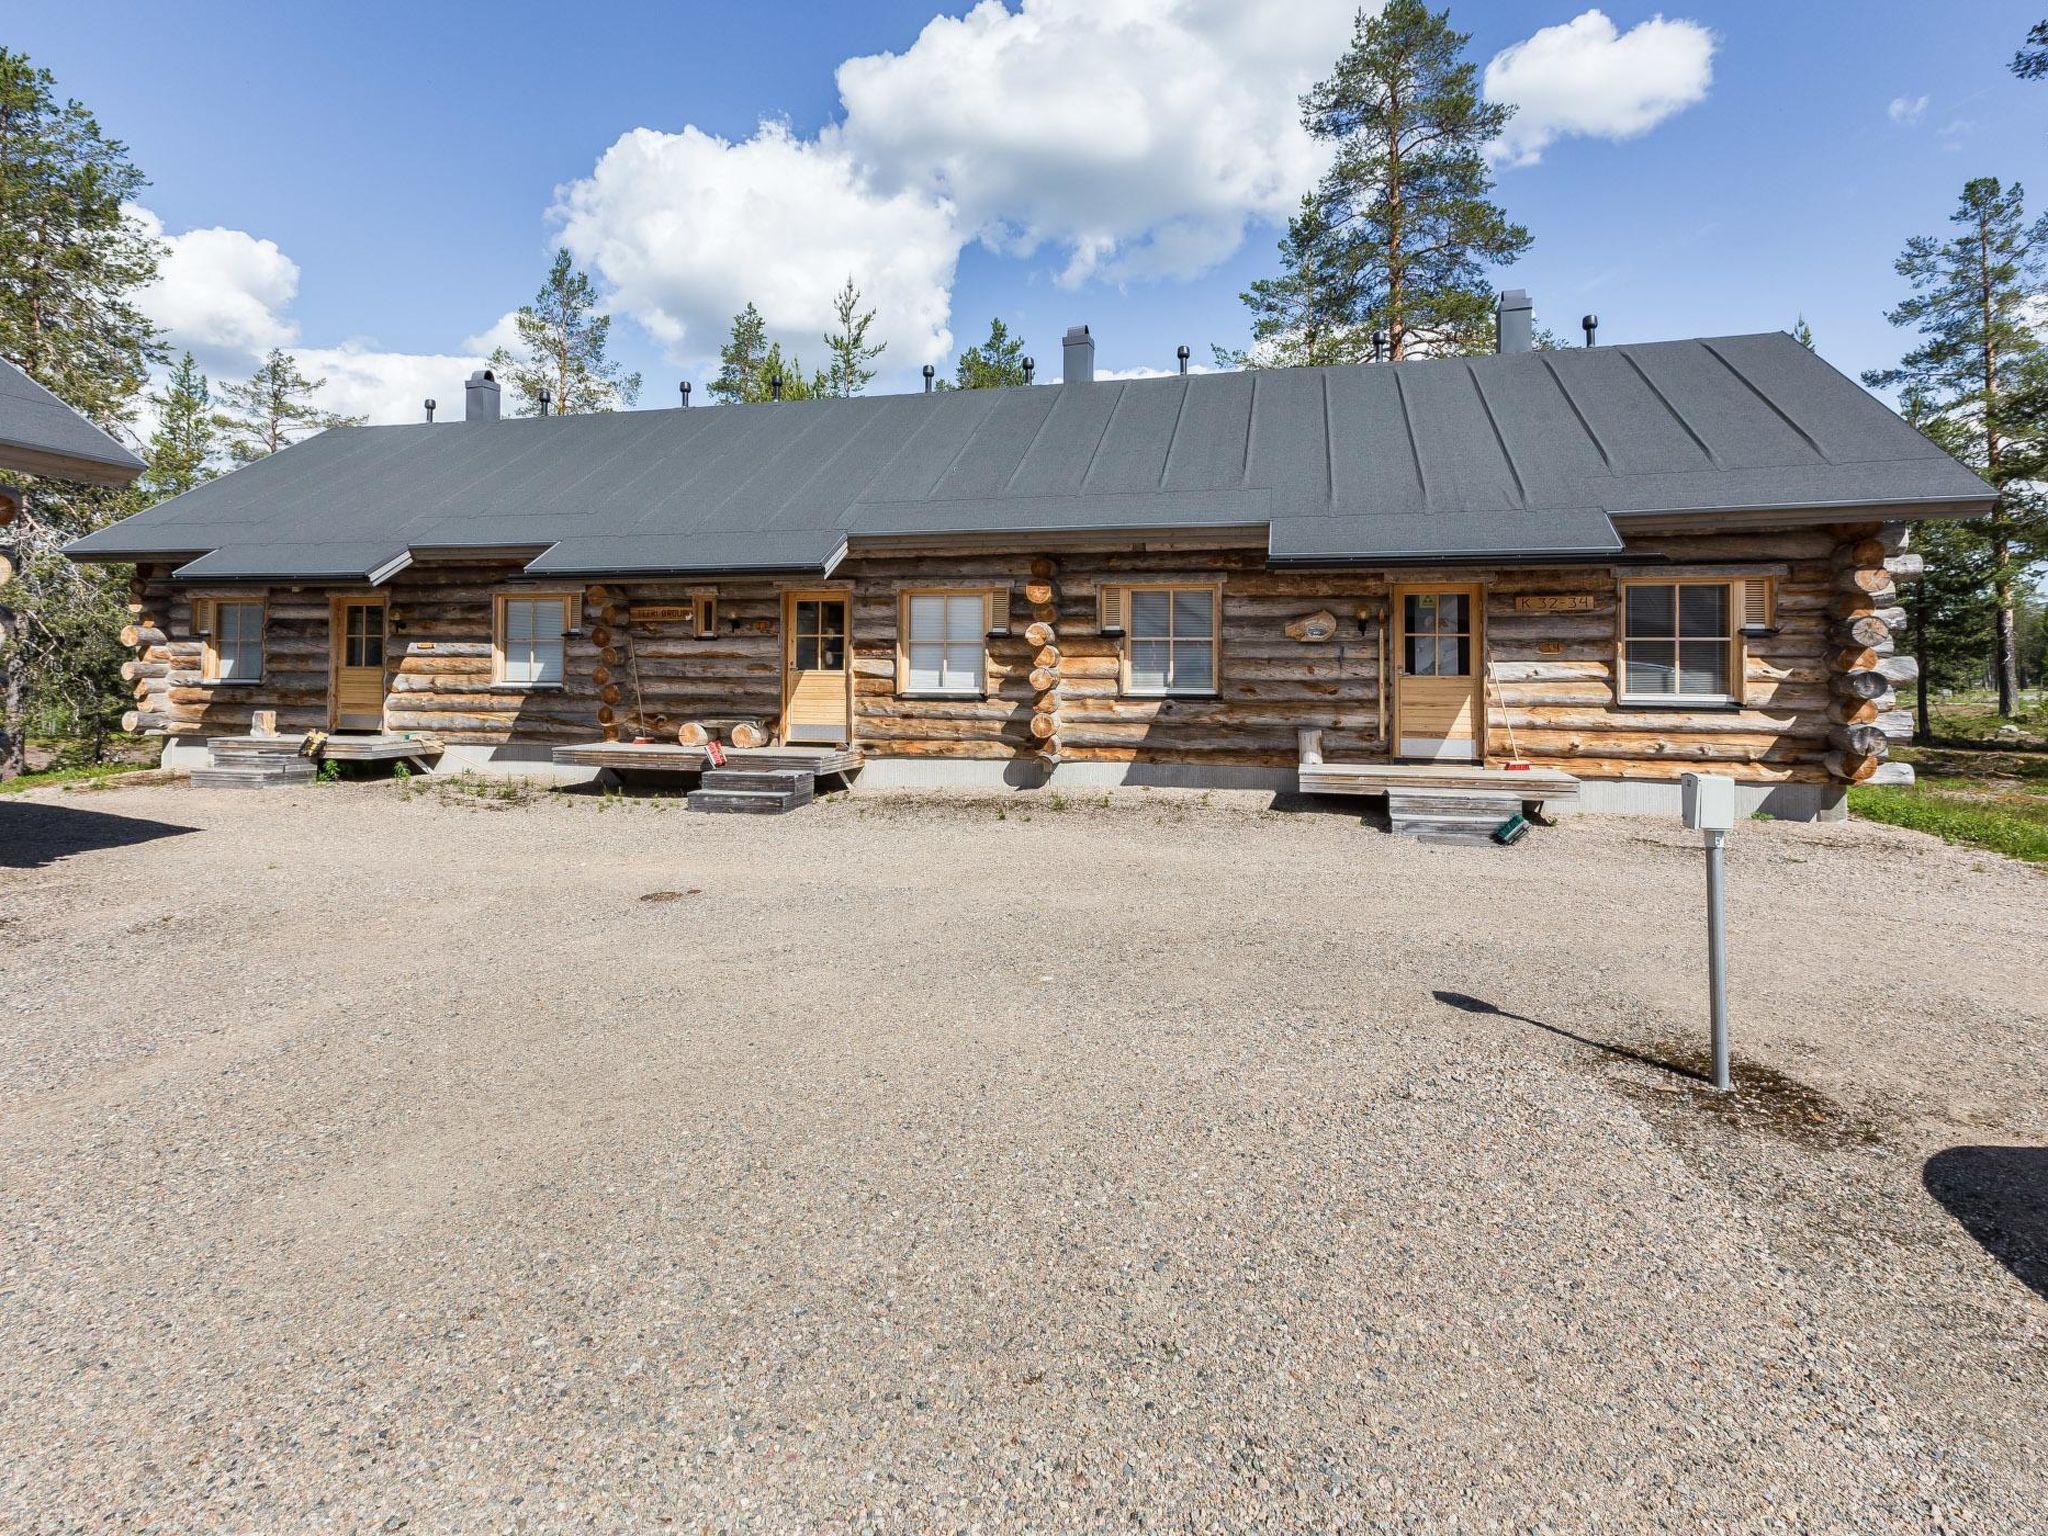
column 1193, row 665
column 1150, row 614
column 963, row 667
column 1450, row 613
column 1454, row 656
column 1703, row 611
column 832, row 618
column 806, row 652
column 832, row 653
column 1149, row 660
column 1651, row 665
column 966, row 618
column 547, row 661
column 1421, row 612
column 1703, row 667
column 1193, row 613
column 373, row 649
column 1650, row 610
column 927, row 665
column 1421, row 654
column 806, row 618
column 927, row 618
column 518, row 624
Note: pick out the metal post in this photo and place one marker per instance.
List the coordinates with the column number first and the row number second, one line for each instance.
column 1717, row 954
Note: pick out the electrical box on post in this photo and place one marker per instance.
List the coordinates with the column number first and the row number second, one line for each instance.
column 1709, row 802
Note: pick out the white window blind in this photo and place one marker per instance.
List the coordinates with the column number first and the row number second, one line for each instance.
column 238, row 642
column 532, row 642
column 1679, row 640
column 1172, row 639
column 947, row 642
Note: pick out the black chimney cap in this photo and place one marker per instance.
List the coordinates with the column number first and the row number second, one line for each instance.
column 775, row 386
column 1181, row 352
column 1592, row 324
column 1030, row 367
column 929, row 370
column 685, row 388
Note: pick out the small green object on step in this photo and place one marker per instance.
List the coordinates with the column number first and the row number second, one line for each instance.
column 1513, row 830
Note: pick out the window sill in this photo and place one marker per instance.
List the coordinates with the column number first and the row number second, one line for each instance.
column 1171, row 693
column 1707, row 701
column 231, row 682
column 525, row 687
column 942, row 693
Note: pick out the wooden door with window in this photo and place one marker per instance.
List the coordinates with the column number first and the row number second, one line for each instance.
column 356, row 694
column 1439, row 705
column 816, row 683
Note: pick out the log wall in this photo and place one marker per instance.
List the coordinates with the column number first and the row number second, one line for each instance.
column 1816, row 697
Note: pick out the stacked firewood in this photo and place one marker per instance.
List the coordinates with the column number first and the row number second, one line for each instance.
column 1869, row 564
column 1042, row 592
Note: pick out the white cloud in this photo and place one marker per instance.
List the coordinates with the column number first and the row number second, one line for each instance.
column 1907, row 109
column 501, row 332
column 220, row 292
column 1135, row 137
column 687, row 228
column 387, row 387
column 1583, row 77
column 1149, row 373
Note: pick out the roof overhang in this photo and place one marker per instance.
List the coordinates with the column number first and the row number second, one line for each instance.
column 1735, row 519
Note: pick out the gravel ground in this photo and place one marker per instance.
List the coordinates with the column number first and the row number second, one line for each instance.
column 374, row 1160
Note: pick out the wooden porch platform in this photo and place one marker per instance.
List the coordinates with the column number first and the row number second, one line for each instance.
column 658, row 757
column 366, row 748
column 1533, row 784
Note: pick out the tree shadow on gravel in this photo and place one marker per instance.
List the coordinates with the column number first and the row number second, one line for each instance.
column 1467, row 1004
column 1999, row 1195
column 35, row 833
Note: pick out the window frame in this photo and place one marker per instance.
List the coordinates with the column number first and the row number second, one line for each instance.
column 208, row 625
column 1130, row 638
column 981, row 595
column 500, row 601
column 1737, row 651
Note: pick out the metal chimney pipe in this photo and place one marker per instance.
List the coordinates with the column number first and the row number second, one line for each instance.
column 546, row 402
column 430, row 413
column 775, row 386
column 1592, row 324
column 686, row 394
column 1030, row 367
column 1514, row 322
column 929, row 370
column 1077, row 361
column 1182, row 354
column 1379, row 346
column 480, row 396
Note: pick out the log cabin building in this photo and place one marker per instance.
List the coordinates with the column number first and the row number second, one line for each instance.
column 1613, row 563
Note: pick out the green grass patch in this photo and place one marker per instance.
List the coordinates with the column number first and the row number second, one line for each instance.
column 52, row 777
column 2014, row 825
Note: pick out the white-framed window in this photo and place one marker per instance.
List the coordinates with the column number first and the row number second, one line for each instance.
column 1171, row 639
column 1678, row 641
column 234, row 642
column 529, row 640
column 945, row 642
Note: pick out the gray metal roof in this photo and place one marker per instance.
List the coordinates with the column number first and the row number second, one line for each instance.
column 41, row 435
column 1530, row 454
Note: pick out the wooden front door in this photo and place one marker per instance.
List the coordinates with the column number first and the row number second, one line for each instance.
column 816, row 676
column 1439, row 706
column 355, row 695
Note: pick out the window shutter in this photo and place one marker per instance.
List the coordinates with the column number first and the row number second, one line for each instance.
column 998, row 600
column 1110, row 609
column 1755, row 600
column 706, row 616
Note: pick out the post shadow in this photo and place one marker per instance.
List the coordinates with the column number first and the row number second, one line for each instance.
column 1999, row 1195
column 34, row 833
column 1468, row 1004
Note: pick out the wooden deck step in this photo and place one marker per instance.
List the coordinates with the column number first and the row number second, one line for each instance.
column 1449, row 816
column 751, row 791
column 247, row 772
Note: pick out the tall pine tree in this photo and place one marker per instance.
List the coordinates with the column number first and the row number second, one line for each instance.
column 1307, row 316
column 185, row 448
column 1404, row 229
column 70, row 262
column 561, row 364
column 995, row 364
column 272, row 409
column 853, row 355
column 1978, row 371
column 740, row 378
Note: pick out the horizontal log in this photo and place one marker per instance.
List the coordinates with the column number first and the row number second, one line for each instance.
column 141, row 636
column 1851, row 604
column 1851, row 768
column 1899, row 669
column 1906, row 568
column 1864, row 581
column 1871, row 629
column 138, row 722
column 132, row 670
column 1897, row 724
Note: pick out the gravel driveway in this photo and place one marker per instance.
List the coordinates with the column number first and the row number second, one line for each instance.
column 374, row 1160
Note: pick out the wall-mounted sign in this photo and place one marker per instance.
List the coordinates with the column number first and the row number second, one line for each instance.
column 661, row 613
column 1557, row 602
column 1313, row 628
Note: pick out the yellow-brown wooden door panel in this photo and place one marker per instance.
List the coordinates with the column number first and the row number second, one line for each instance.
column 356, row 699
column 815, row 663
column 1438, row 673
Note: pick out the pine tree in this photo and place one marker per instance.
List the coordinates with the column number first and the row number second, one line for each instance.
column 790, row 369
column 995, row 364
column 560, row 365
column 740, row 378
column 1404, row 228
column 2031, row 62
column 1802, row 333
column 186, row 444
column 70, row 262
column 852, row 354
column 1978, row 372
column 1305, row 317
column 273, row 409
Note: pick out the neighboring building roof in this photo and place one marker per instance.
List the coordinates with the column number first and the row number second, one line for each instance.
column 1529, row 454
column 41, row 435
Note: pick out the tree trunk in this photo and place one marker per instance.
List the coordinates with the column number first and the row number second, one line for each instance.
column 13, row 691
column 1923, row 728
column 2006, row 647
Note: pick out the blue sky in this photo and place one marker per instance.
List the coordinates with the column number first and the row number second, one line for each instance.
column 372, row 185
